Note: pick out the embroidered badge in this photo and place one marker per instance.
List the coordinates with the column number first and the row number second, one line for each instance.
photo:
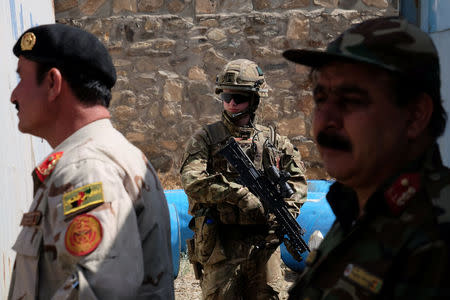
column 47, row 166
column 28, row 41
column 83, row 198
column 401, row 191
column 363, row 278
column 83, row 235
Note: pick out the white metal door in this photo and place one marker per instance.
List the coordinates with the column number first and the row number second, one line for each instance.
column 19, row 153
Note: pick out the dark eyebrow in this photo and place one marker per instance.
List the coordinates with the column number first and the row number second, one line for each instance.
column 351, row 89
column 342, row 89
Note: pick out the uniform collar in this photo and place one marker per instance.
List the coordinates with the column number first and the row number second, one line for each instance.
column 244, row 132
column 46, row 167
column 87, row 131
column 396, row 192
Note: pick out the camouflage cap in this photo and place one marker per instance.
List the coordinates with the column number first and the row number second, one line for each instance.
column 389, row 42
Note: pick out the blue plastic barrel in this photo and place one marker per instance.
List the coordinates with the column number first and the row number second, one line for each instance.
column 175, row 238
column 315, row 214
column 179, row 199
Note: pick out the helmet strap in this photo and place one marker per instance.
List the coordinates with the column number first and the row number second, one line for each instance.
column 234, row 118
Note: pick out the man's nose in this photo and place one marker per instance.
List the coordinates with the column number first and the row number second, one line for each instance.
column 328, row 114
column 13, row 98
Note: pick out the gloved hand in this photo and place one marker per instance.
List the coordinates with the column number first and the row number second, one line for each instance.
column 251, row 210
column 272, row 240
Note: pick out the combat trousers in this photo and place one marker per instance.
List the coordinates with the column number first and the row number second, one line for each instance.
column 245, row 274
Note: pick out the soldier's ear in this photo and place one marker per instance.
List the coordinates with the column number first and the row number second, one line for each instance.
column 420, row 111
column 54, row 83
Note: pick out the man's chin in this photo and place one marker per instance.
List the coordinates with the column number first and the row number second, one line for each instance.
column 334, row 153
column 24, row 129
column 337, row 163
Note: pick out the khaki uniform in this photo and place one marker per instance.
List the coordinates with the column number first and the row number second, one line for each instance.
column 230, row 227
column 98, row 227
column 399, row 248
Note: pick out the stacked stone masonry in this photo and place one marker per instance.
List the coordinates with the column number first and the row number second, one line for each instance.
column 168, row 52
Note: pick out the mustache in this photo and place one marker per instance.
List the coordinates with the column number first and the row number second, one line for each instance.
column 17, row 105
column 333, row 141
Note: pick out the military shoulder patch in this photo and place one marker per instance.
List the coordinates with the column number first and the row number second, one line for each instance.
column 83, row 235
column 363, row 278
column 82, row 199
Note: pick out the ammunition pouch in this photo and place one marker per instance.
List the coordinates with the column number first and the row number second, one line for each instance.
column 193, row 259
column 208, row 248
column 228, row 213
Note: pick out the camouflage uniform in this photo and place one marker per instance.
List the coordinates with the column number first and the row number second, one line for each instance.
column 98, row 227
column 230, row 228
column 400, row 247
column 396, row 250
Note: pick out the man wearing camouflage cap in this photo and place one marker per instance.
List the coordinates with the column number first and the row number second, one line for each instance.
column 233, row 251
column 378, row 113
column 98, row 226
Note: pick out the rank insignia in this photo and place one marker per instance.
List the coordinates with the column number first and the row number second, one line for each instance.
column 401, row 191
column 28, row 41
column 82, row 199
column 363, row 278
column 83, row 235
column 47, row 166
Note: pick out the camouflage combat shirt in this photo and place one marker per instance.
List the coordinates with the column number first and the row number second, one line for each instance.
column 98, row 226
column 209, row 180
column 399, row 247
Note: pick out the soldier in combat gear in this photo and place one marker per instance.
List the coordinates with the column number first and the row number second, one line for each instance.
column 377, row 117
column 234, row 248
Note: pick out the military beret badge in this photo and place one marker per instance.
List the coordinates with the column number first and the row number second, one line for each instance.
column 28, row 41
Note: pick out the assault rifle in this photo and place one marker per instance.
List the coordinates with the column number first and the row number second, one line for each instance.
column 271, row 190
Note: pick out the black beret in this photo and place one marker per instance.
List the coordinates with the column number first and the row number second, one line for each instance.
column 63, row 44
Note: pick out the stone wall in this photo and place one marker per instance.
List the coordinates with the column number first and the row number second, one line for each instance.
column 168, row 52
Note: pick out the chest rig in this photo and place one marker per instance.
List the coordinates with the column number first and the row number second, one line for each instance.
column 258, row 143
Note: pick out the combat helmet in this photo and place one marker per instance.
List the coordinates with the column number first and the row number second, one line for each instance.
column 245, row 75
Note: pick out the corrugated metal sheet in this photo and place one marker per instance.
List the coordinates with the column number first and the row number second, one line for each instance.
column 19, row 153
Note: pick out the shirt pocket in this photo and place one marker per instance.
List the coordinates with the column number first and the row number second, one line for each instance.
column 28, row 242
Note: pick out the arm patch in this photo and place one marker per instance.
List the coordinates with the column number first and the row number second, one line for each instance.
column 82, row 199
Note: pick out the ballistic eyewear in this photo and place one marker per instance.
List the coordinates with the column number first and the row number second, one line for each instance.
column 238, row 98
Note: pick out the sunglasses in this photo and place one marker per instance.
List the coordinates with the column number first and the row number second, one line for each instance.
column 238, row 98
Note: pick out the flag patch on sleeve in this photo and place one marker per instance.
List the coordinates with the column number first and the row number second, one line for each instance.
column 82, row 199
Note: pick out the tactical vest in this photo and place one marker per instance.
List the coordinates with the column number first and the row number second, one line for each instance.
column 260, row 146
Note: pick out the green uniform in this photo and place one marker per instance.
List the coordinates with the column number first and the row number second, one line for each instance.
column 229, row 222
column 399, row 247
